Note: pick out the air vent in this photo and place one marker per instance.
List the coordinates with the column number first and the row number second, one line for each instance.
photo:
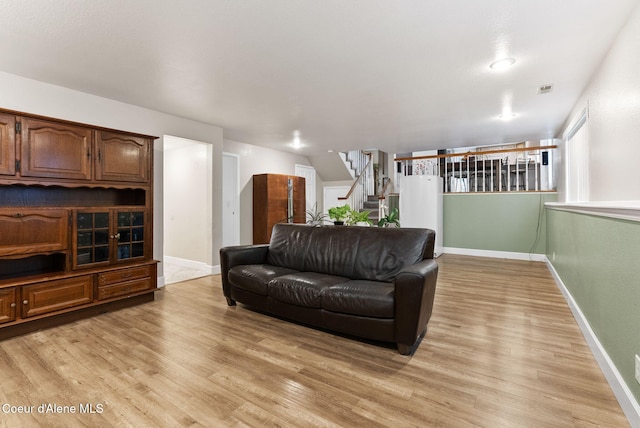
column 544, row 89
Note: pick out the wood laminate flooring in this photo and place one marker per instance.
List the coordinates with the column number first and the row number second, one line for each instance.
column 502, row 350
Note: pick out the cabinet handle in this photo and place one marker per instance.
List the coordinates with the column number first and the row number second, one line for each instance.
column 116, row 236
column 13, row 305
column 25, row 302
column 17, row 215
column 127, row 275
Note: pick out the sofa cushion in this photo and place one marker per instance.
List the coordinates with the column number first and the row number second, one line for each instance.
column 364, row 298
column 302, row 288
column 255, row 278
column 350, row 252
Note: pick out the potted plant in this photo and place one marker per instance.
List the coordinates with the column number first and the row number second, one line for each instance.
column 315, row 217
column 359, row 218
column 339, row 214
column 391, row 219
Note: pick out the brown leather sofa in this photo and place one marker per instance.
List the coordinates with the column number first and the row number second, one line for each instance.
column 375, row 283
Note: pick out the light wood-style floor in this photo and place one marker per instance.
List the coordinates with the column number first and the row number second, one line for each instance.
column 502, row 350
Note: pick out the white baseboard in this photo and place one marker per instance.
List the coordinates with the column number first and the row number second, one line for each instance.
column 161, row 282
column 620, row 389
column 496, row 254
column 190, row 264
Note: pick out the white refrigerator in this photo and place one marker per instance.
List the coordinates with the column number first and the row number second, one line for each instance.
column 421, row 205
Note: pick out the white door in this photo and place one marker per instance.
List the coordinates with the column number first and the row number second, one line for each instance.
column 230, row 200
column 309, row 174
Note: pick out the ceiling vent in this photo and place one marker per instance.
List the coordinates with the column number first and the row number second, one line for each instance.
column 544, row 89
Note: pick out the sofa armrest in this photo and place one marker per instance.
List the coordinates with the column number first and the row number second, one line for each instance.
column 240, row 255
column 415, row 288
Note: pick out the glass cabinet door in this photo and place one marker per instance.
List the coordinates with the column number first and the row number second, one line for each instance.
column 130, row 234
column 108, row 236
column 92, row 238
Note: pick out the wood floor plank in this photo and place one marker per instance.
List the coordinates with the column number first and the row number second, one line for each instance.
column 502, row 350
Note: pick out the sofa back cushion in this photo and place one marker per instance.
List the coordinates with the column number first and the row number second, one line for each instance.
column 371, row 253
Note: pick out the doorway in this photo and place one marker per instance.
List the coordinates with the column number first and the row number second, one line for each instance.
column 188, row 212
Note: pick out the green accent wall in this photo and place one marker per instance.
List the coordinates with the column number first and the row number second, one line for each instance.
column 510, row 222
column 598, row 260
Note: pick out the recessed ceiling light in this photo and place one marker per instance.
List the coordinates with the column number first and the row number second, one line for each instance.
column 296, row 140
column 502, row 64
column 506, row 116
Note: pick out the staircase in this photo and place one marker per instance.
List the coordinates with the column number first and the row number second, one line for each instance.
column 363, row 194
column 372, row 204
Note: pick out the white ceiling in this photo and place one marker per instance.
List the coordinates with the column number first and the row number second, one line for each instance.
column 397, row 75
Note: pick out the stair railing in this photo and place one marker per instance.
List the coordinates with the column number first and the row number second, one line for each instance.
column 364, row 184
column 387, row 188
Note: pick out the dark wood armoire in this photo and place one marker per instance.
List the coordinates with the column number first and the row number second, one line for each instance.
column 277, row 198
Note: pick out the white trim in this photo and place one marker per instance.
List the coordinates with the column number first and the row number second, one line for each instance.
column 577, row 124
column 627, row 401
column 496, row 254
column 192, row 264
column 623, row 210
column 161, row 282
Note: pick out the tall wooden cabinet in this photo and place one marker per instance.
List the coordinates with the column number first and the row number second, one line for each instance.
column 76, row 218
column 277, row 198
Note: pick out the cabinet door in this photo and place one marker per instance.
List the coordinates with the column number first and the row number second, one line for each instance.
column 130, row 234
column 92, row 237
column 122, row 157
column 56, row 295
column 55, row 150
column 33, row 231
column 7, row 144
column 7, row 304
column 109, row 236
column 271, row 203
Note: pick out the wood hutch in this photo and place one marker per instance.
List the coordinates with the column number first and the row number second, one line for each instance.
column 76, row 221
column 277, row 198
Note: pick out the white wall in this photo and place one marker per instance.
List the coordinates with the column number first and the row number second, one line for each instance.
column 260, row 160
column 613, row 100
column 31, row 96
column 187, row 195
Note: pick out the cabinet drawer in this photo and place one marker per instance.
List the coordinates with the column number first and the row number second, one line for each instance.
column 56, row 295
column 121, row 275
column 123, row 288
column 33, row 231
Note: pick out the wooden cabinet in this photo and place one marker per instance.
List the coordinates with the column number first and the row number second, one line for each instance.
column 7, row 305
column 76, row 221
column 277, row 198
column 30, row 231
column 122, row 157
column 65, row 151
column 7, row 144
column 55, row 150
